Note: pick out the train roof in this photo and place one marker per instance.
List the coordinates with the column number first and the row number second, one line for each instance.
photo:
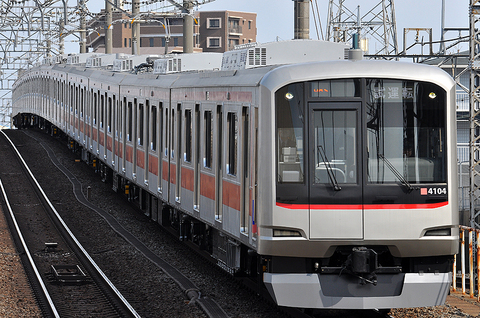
column 270, row 76
column 283, row 75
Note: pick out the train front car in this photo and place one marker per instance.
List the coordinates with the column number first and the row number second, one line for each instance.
column 359, row 207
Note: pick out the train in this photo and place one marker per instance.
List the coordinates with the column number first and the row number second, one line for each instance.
column 329, row 178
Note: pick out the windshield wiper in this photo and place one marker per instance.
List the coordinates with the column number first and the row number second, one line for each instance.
column 396, row 173
column 328, row 167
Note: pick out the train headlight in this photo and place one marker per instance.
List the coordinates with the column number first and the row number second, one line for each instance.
column 439, row 232
column 286, row 233
column 288, row 96
column 432, row 95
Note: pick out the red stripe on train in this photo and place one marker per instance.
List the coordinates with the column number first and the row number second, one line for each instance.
column 360, row 206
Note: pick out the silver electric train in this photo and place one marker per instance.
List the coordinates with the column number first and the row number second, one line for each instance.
column 331, row 180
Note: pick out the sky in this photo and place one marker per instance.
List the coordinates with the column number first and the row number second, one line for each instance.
column 275, row 17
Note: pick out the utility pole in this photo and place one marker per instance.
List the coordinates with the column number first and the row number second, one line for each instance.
column 188, row 27
column 83, row 28
column 377, row 24
column 135, row 27
column 108, row 27
column 474, row 111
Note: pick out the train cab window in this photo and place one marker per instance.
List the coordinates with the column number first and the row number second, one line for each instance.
column 335, row 146
column 405, row 132
column 232, row 139
column 207, row 160
column 290, row 130
column 188, row 136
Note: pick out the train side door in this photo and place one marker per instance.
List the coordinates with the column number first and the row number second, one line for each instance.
column 334, row 173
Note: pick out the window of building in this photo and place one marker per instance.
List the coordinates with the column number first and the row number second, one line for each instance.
column 214, row 42
column 213, row 23
column 129, row 42
column 151, row 42
column 175, row 41
column 164, row 41
column 125, row 42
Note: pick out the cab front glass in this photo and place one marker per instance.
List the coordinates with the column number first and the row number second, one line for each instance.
column 365, row 137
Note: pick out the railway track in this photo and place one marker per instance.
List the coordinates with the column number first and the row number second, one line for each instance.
column 65, row 279
column 25, row 148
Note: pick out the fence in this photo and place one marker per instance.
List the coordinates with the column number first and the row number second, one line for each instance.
column 473, row 248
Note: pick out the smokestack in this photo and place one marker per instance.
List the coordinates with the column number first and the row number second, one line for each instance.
column 302, row 19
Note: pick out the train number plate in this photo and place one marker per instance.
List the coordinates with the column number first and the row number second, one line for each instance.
column 433, row 191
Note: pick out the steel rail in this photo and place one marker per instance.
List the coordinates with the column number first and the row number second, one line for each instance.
column 78, row 247
column 39, row 280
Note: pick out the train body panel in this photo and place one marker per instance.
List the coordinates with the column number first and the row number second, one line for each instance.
column 310, row 176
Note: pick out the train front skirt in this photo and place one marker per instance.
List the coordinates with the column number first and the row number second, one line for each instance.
column 332, row 291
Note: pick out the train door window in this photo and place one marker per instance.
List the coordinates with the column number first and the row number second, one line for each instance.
column 82, row 92
column 207, row 160
column 129, row 121
column 153, row 130
column 141, row 116
column 335, row 146
column 188, row 135
column 102, row 109
column 110, row 114
column 77, row 95
column 95, row 106
column 173, row 139
column 118, row 125
column 71, row 98
column 232, row 139
column 165, row 132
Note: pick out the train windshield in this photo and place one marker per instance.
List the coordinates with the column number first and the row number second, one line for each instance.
column 405, row 126
column 340, row 135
